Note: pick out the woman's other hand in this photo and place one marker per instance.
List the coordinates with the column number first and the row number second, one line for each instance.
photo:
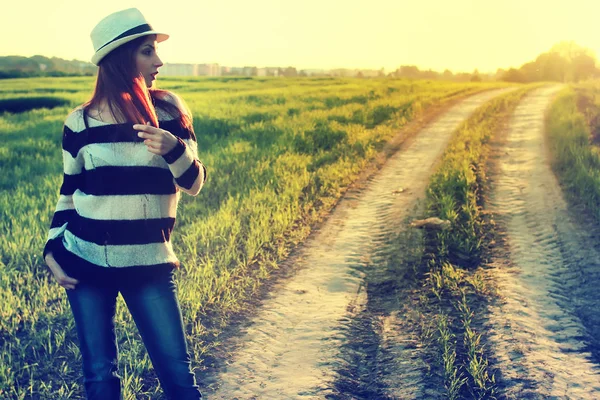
column 61, row 277
column 158, row 141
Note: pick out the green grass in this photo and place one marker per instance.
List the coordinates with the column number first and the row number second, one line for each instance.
column 572, row 127
column 454, row 280
column 280, row 152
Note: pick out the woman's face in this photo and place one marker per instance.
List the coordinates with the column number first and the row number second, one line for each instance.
column 147, row 61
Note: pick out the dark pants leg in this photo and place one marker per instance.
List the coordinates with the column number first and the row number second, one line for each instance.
column 93, row 309
column 155, row 309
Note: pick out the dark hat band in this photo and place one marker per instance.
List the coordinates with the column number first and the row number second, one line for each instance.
column 133, row 31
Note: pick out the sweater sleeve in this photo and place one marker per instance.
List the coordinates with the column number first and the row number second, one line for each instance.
column 188, row 171
column 65, row 208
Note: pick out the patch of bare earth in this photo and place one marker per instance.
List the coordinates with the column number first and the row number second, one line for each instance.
column 542, row 331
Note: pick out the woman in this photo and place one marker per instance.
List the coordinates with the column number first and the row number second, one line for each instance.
column 127, row 154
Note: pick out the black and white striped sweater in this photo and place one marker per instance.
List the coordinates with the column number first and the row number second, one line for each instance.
column 118, row 201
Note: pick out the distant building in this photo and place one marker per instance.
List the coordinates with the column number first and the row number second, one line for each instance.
column 236, row 71
column 250, row 71
column 267, row 71
column 190, row 70
column 215, row 69
column 343, row 72
column 315, row 72
column 288, row 71
column 178, row 70
column 272, row 71
column 208, row 69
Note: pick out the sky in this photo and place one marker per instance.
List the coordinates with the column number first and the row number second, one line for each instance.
column 460, row 35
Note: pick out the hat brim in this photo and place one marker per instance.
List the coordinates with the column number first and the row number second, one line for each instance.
column 100, row 54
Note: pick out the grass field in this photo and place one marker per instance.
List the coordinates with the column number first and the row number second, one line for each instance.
column 279, row 154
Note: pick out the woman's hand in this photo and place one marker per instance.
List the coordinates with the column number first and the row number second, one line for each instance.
column 158, row 141
column 61, row 277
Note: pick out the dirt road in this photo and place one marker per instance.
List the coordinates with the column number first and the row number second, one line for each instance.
column 307, row 340
column 543, row 334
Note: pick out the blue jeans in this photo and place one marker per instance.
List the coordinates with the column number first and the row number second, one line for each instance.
column 154, row 307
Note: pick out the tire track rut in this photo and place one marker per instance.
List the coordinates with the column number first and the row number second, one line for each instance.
column 302, row 342
column 543, row 332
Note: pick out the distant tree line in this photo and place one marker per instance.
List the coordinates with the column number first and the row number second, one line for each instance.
column 23, row 67
column 565, row 62
column 413, row 72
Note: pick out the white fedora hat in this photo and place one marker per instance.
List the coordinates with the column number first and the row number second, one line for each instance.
column 119, row 28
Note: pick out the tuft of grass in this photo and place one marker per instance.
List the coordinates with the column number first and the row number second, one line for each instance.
column 453, row 377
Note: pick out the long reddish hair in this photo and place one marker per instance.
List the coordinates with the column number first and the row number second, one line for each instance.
column 124, row 89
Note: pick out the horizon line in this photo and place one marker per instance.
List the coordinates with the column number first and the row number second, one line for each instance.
column 421, row 68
